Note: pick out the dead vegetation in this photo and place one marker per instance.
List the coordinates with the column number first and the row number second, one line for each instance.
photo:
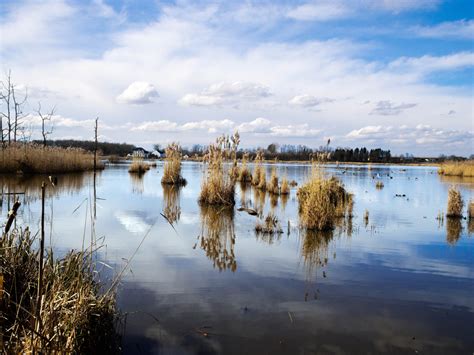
column 244, row 175
column 54, row 309
column 259, row 178
column 269, row 225
column 218, row 187
column 29, row 158
column 172, row 167
column 379, row 185
column 273, row 185
column 457, row 168
column 322, row 201
column 138, row 166
column 455, row 203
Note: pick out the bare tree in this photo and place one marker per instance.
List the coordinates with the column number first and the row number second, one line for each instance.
column 13, row 110
column 44, row 119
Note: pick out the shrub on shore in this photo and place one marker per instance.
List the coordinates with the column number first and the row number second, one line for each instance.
column 218, row 187
column 457, row 168
column 322, row 201
column 172, row 168
column 73, row 316
column 455, row 203
column 34, row 158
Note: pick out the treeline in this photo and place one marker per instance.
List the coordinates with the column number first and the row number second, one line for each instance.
column 105, row 148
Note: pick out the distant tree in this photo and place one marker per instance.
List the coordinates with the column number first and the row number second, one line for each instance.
column 272, row 148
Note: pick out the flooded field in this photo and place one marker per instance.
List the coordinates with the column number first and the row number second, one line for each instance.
column 202, row 281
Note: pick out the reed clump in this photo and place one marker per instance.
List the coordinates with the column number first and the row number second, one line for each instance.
column 259, row 178
column 172, row 167
column 138, row 166
column 322, row 201
column 74, row 316
column 457, row 168
column 455, row 203
column 218, row 187
column 244, row 174
column 269, row 225
column 379, row 185
column 30, row 158
column 285, row 186
column 273, row 185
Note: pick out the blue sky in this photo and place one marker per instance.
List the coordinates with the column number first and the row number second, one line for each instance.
column 396, row 74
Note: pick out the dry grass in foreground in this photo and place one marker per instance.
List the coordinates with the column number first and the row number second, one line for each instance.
column 72, row 317
column 172, row 168
column 218, row 187
column 33, row 158
column 455, row 203
column 322, row 201
column 455, row 168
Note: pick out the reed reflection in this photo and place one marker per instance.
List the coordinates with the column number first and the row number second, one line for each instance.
column 258, row 201
column 453, row 230
column 138, row 186
column 171, row 203
column 217, row 237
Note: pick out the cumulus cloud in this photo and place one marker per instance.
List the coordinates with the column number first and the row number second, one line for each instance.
column 295, row 131
column 138, row 93
column 227, row 94
column 423, row 135
column 258, row 125
column 211, row 126
column 388, row 108
column 452, row 29
column 308, row 101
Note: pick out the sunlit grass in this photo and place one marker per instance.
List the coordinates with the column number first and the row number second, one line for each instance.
column 455, row 168
column 172, row 167
column 455, row 203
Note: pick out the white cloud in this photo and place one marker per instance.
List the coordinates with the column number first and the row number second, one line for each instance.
column 319, row 11
column 428, row 64
column 138, row 93
column 388, row 108
column 308, row 101
column 211, row 126
column 453, row 29
column 296, row 131
column 397, row 6
column 223, row 94
column 258, row 125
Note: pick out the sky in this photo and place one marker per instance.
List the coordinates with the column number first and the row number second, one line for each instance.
column 395, row 74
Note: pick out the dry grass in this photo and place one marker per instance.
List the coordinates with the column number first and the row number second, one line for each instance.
column 273, row 186
column 269, row 225
column 138, row 166
column 455, row 203
column 285, row 186
column 454, row 168
column 322, row 201
column 244, row 174
column 33, row 158
column 379, row 185
column 218, row 187
column 172, row 167
column 217, row 237
column 74, row 316
column 259, row 176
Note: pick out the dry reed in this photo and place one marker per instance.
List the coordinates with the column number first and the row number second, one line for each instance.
column 73, row 317
column 33, row 158
column 244, row 174
column 379, row 185
column 285, row 186
column 455, row 203
column 273, row 186
column 322, row 201
column 455, row 168
column 259, row 176
column 138, row 166
column 218, row 187
column 269, row 225
column 172, row 167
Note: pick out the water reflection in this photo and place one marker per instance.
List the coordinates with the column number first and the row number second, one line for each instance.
column 284, row 201
column 315, row 249
column 217, row 237
column 453, row 230
column 138, row 186
column 258, row 200
column 470, row 226
column 171, row 204
column 244, row 193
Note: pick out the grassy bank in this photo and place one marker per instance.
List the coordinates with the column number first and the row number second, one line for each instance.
column 55, row 309
column 455, row 168
column 34, row 158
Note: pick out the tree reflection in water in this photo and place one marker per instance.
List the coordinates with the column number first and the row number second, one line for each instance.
column 171, row 204
column 217, row 237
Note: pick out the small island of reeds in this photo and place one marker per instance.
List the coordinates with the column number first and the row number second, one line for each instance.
column 172, row 167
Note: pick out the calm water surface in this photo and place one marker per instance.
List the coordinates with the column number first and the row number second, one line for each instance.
column 401, row 283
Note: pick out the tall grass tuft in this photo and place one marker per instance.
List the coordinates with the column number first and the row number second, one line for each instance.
column 455, row 203
column 244, row 174
column 379, row 185
column 269, row 225
column 285, row 186
column 258, row 177
column 172, row 168
column 457, row 168
column 33, row 158
column 218, row 187
column 138, row 166
column 273, row 186
column 73, row 315
column 322, row 201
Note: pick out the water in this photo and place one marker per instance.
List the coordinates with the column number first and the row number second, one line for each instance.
column 401, row 283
